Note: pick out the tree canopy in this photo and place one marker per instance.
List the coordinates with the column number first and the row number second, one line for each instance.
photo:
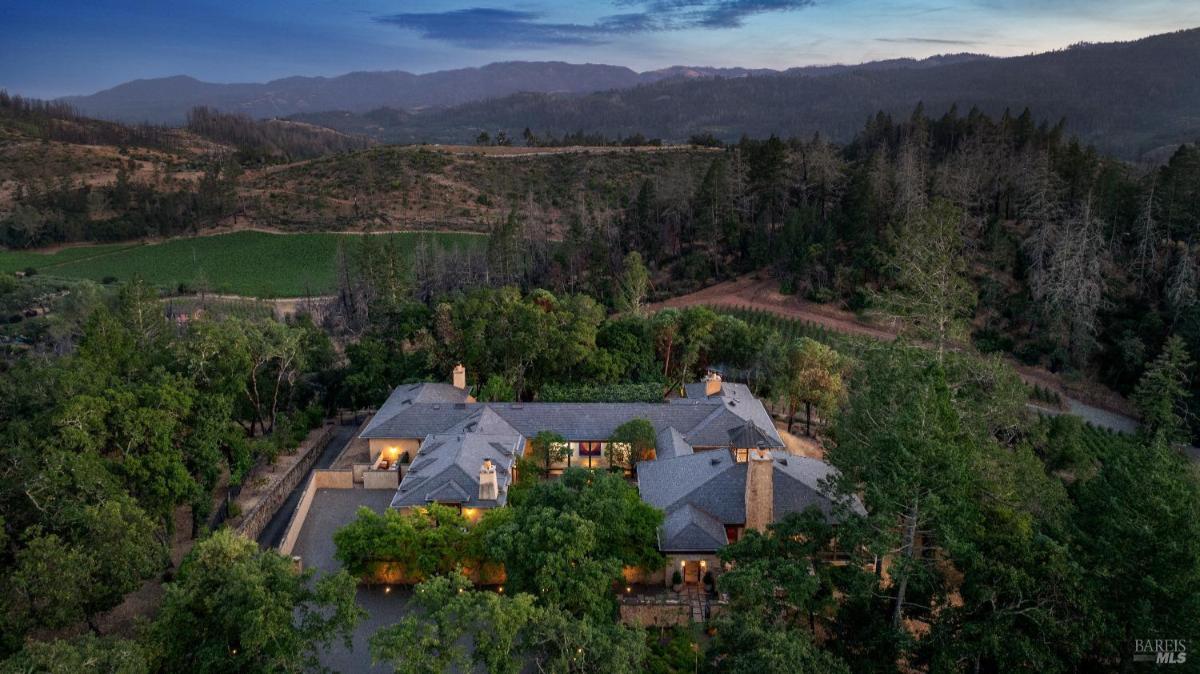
column 236, row 607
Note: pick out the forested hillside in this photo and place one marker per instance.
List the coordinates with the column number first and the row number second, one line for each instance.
column 1077, row 261
column 268, row 141
column 1129, row 99
column 68, row 178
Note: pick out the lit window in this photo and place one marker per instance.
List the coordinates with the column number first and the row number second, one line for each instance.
column 741, row 455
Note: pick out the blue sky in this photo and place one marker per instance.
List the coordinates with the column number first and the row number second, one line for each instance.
column 57, row 47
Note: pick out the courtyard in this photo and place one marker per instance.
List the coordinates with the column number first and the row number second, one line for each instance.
column 331, row 509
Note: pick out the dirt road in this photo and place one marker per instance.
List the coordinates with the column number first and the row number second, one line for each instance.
column 761, row 293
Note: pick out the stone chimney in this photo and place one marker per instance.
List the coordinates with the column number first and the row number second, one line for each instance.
column 489, row 489
column 458, row 376
column 760, row 489
column 712, row 384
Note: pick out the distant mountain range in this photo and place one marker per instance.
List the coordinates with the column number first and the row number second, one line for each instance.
column 166, row 100
column 1136, row 99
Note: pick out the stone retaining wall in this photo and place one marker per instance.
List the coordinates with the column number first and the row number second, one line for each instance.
column 253, row 522
column 656, row 614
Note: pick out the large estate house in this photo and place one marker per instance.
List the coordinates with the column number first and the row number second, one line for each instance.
column 719, row 466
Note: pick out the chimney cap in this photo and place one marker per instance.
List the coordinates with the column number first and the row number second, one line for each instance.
column 760, row 454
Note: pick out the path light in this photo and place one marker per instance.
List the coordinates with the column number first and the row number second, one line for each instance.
column 387, row 589
column 500, row 589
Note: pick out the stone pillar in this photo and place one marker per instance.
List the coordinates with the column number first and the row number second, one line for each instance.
column 760, row 489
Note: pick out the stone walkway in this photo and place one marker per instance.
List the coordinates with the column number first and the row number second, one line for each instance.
column 695, row 596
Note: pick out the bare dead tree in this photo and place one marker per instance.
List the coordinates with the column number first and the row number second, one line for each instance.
column 910, row 179
column 1145, row 231
column 1068, row 278
column 1181, row 285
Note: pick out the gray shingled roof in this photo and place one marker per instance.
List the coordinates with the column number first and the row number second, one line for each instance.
column 739, row 405
column 703, row 423
column 689, row 529
column 699, row 491
column 483, row 420
column 670, row 444
column 446, row 469
column 406, row 395
column 573, row 421
column 749, row 435
column 714, row 484
column 800, row 483
column 710, row 480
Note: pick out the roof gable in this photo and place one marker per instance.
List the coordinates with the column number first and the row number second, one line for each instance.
column 448, row 492
column 446, row 469
column 749, row 435
column 689, row 529
column 670, row 444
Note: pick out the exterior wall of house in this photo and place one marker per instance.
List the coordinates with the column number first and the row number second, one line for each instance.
column 392, row 573
column 357, row 469
column 381, row 479
column 639, row 576
column 472, row 515
column 576, row 459
column 394, row 446
column 679, row 561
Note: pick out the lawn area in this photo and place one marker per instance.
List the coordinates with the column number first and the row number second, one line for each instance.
column 243, row 263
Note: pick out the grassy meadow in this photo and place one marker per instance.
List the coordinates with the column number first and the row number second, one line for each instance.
column 256, row 264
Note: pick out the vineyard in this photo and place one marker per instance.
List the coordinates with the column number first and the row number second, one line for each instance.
column 189, row 307
column 793, row 329
column 1102, row 442
column 256, row 264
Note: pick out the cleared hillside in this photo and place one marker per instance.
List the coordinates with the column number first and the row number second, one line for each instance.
column 464, row 188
